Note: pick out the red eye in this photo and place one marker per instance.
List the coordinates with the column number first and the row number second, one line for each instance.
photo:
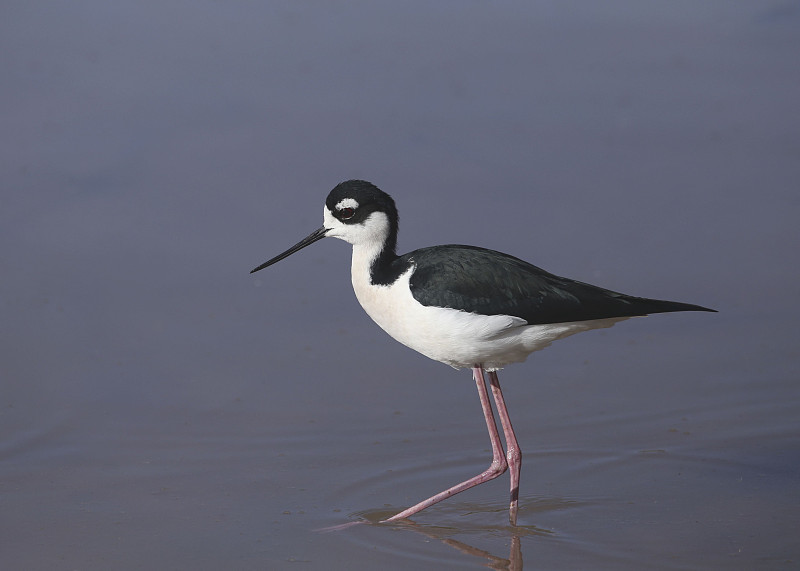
column 346, row 213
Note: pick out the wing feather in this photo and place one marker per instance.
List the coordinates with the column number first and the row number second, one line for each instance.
column 486, row 282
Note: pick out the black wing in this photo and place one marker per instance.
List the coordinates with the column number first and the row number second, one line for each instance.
column 486, row 282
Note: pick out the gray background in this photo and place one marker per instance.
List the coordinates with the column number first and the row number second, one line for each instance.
column 161, row 408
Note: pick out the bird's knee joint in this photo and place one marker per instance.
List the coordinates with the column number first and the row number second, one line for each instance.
column 497, row 467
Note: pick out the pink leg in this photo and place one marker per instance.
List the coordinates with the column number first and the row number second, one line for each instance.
column 497, row 467
column 513, row 454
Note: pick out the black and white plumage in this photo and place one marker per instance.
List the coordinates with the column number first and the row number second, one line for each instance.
column 464, row 306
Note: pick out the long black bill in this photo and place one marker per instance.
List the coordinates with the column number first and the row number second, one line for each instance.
column 307, row 241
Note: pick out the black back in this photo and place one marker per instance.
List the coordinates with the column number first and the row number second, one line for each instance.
column 486, row 282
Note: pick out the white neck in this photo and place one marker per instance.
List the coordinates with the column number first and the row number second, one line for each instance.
column 364, row 255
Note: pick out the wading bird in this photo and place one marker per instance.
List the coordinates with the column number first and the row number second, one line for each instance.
column 464, row 306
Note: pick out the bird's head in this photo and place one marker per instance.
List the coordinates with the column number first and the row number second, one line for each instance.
column 357, row 212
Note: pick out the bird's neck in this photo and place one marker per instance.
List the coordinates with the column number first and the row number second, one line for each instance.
column 372, row 263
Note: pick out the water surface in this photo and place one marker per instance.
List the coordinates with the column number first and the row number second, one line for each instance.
column 161, row 408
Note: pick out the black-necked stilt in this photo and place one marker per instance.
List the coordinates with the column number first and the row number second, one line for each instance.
column 464, row 306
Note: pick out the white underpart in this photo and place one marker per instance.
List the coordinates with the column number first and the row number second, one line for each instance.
column 454, row 337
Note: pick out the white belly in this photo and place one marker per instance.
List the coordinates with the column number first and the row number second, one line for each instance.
column 456, row 338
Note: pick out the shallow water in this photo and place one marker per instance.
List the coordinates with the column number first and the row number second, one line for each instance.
column 161, row 408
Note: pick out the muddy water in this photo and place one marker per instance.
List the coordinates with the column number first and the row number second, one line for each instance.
column 160, row 408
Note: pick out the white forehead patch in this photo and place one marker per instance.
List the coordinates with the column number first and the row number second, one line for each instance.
column 347, row 203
